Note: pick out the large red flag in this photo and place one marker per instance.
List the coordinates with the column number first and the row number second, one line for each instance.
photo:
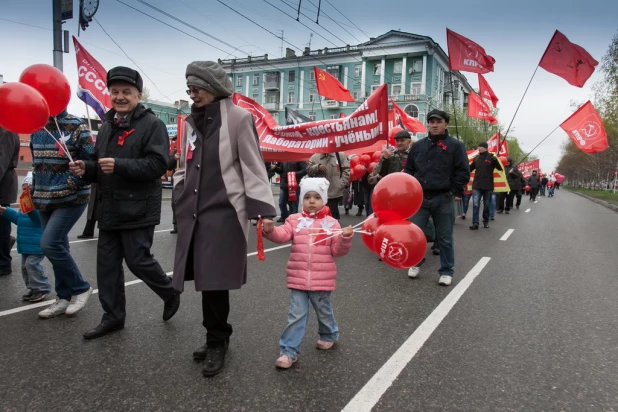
column 585, row 128
column 496, row 141
column 92, row 77
column 330, row 87
column 478, row 109
column 400, row 116
column 486, row 92
column 568, row 60
column 466, row 55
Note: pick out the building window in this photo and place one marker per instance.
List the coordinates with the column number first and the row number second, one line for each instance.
column 239, row 81
column 415, row 88
column 358, row 70
column 334, row 116
column 333, row 71
column 292, row 76
column 417, row 66
column 272, row 98
column 312, row 98
column 290, row 97
column 377, row 68
column 312, row 116
column 312, row 75
column 172, row 120
column 412, row 110
column 375, row 87
column 256, row 79
column 396, row 91
column 356, row 94
column 397, row 67
column 255, row 96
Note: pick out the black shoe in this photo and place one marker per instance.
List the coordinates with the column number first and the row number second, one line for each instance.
column 200, row 353
column 37, row 297
column 463, row 217
column 517, row 207
column 13, row 240
column 280, row 220
column 215, row 360
column 435, row 251
column 174, row 231
column 85, row 236
column 347, row 212
column 486, row 225
column 492, row 218
column 103, row 329
column 5, row 272
column 474, row 227
column 27, row 296
column 171, row 307
column 359, row 214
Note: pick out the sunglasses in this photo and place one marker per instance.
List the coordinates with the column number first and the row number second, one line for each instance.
column 193, row 90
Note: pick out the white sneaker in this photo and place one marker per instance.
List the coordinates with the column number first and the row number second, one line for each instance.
column 57, row 308
column 413, row 272
column 445, row 280
column 78, row 302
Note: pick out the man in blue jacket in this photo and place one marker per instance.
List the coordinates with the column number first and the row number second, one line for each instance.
column 439, row 162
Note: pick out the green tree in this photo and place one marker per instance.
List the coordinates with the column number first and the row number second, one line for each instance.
column 145, row 94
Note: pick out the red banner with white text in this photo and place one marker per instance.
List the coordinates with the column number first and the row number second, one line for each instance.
column 363, row 128
column 527, row 167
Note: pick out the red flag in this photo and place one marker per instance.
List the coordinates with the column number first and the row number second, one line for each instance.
column 341, row 115
column 92, row 77
column 330, row 87
column 585, row 128
column 478, row 109
column 495, row 142
column 466, row 55
column 486, row 92
column 401, row 117
column 568, row 60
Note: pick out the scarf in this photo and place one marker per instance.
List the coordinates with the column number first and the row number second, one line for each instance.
column 307, row 219
column 199, row 115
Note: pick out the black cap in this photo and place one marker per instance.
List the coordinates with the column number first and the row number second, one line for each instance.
column 403, row 135
column 483, row 144
column 438, row 114
column 125, row 74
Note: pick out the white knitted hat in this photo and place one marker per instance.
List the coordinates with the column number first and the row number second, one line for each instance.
column 314, row 184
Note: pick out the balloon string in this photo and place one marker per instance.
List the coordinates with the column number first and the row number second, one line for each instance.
column 66, row 148
column 337, row 234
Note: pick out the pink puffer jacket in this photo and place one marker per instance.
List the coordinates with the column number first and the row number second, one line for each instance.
column 311, row 267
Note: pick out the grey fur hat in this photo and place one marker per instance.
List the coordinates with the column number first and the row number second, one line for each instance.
column 209, row 76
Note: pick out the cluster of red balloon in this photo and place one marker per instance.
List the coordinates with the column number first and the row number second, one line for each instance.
column 360, row 165
column 399, row 243
column 42, row 91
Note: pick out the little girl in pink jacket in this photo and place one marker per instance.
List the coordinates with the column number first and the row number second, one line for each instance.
column 311, row 270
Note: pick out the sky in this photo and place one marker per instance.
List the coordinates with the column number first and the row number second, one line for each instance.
column 514, row 33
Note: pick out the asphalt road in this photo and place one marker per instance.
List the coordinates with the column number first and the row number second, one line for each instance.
column 536, row 329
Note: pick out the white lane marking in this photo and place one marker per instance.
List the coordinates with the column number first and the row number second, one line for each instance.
column 528, row 210
column 133, row 282
column 96, row 238
column 373, row 390
column 507, row 234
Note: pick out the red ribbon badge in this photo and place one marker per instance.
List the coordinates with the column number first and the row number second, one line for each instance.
column 124, row 136
column 440, row 144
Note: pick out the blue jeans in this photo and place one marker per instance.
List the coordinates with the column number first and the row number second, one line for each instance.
column 551, row 191
column 55, row 245
column 284, row 203
column 476, row 205
column 34, row 274
column 298, row 317
column 442, row 209
column 466, row 203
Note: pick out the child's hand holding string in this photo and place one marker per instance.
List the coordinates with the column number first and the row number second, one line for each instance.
column 347, row 231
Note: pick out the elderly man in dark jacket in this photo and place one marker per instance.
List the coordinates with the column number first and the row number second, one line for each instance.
column 9, row 155
column 515, row 180
column 534, row 182
column 483, row 184
column 440, row 164
column 132, row 150
column 300, row 169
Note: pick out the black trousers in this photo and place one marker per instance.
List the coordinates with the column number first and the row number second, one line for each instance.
column 89, row 227
column 333, row 205
column 509, row 199
column 216, row 309
column 134, row 247
column 533, row 192
column 5, row 243
column 500, row 200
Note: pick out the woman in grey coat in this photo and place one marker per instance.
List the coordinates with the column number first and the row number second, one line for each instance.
column 220, row 185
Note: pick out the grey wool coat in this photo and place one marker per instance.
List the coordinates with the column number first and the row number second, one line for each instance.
column 217, row 191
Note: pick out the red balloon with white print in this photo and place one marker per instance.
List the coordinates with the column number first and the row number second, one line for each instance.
column 400, row 244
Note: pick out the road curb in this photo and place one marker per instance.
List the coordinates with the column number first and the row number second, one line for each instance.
column 595, row 200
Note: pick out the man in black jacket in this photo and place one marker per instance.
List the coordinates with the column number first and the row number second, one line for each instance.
column 132, row 150
column 515, row 180
column 440, row 164
column 300, row 169
column 9, row 156
column 534, row 182
column 544, row 181
column 483, row 184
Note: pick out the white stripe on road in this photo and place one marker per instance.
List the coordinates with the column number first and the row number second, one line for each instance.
column 133, row 282
column 507, row 234
column 528, row 210
column 371, row 393
column 96, row 238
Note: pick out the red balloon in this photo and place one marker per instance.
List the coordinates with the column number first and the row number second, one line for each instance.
column 22, row 108
column 354, row 161
column 51, row 83
column 360, row 170
column 392, row 133
column 372, row 165
column 376, row 156
column 365, row 160
column 370, row 225
column 400, row 244
column 397, row 196
column 527, row 188
column 503, row 160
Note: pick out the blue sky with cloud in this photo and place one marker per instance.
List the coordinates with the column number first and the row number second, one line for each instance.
column 514, row 33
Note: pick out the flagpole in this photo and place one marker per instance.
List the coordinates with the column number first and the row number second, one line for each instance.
column 322, row 108
column 88, row 115
column 454, row 108
column 519, row 105
column 525, row 157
